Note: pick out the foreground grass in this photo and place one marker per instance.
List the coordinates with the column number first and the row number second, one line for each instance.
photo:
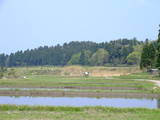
column 11, row 112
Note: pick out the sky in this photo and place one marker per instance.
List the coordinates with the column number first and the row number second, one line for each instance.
column 26, row 24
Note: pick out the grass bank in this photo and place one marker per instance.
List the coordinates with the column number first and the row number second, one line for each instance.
column 11, row 112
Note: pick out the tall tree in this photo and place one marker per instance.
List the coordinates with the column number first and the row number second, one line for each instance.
column 2, row 60
column 82, row 58
column 74, row 59
column 145, row 62
column 152, row 54
column 85, row 57
column 158, row 51
column 100, row 57
column 134, row 58
column 148, row 56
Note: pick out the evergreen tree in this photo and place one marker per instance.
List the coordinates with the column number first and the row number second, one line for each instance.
column 88, row 55
column 2, row 60
column 158, row 51
column 148, row 56
column 82, row 58
column 100, row 57
column 85, row 57
column 152, row 54
column 75, row 59
column 145, row 62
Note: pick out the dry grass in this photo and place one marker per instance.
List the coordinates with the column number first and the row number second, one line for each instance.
column 77, row 71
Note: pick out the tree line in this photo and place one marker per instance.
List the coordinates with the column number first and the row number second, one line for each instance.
column 150, row 57
column 122, row 51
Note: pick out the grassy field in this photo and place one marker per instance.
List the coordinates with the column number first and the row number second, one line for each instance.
column 51, row 81
column 125, row 79
column 8, row 112
column 76, row 70
column 102, row 82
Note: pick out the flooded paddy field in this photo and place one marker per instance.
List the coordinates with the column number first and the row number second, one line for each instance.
column 41, row 96
column 82, row 101
column 50, row 82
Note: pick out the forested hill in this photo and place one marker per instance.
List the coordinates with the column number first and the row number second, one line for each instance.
column 120, row 51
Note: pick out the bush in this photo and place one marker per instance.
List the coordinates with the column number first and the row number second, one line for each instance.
column 12, row 73
column 1, row 75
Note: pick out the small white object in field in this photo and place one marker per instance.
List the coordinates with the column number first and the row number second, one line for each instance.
column 86, row 74
column 24, row 77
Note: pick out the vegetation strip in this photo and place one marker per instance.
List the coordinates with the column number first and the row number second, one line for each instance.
column 8, row 112
column 51, row 108
column 79, row 94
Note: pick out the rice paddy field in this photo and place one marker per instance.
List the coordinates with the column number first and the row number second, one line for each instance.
column 71, row 78
column 69, row 81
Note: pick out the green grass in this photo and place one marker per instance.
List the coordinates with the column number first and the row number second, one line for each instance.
column 49, row 77
column 48, row 80
column 140, row 75
column 11, row 112
column 54, row 81
column 82, row 90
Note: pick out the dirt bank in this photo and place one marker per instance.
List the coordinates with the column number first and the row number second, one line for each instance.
column 76, row 87
column 78, row 94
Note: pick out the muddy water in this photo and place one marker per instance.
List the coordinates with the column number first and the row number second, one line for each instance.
column 82, row 101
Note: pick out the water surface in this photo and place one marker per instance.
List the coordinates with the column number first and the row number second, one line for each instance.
column 81, row 101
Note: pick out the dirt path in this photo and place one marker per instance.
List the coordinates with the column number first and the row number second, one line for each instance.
column 157, row 82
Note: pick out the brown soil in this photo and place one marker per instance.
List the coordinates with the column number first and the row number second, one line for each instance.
column 77, row 87
column 78, row 94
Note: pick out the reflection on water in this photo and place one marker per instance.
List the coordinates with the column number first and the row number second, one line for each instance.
column 82, row 101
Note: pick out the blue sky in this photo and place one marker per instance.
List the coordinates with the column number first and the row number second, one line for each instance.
column 31, row 23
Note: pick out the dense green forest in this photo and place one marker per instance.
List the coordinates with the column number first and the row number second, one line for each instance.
column 150, row 57
column 122, row 51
